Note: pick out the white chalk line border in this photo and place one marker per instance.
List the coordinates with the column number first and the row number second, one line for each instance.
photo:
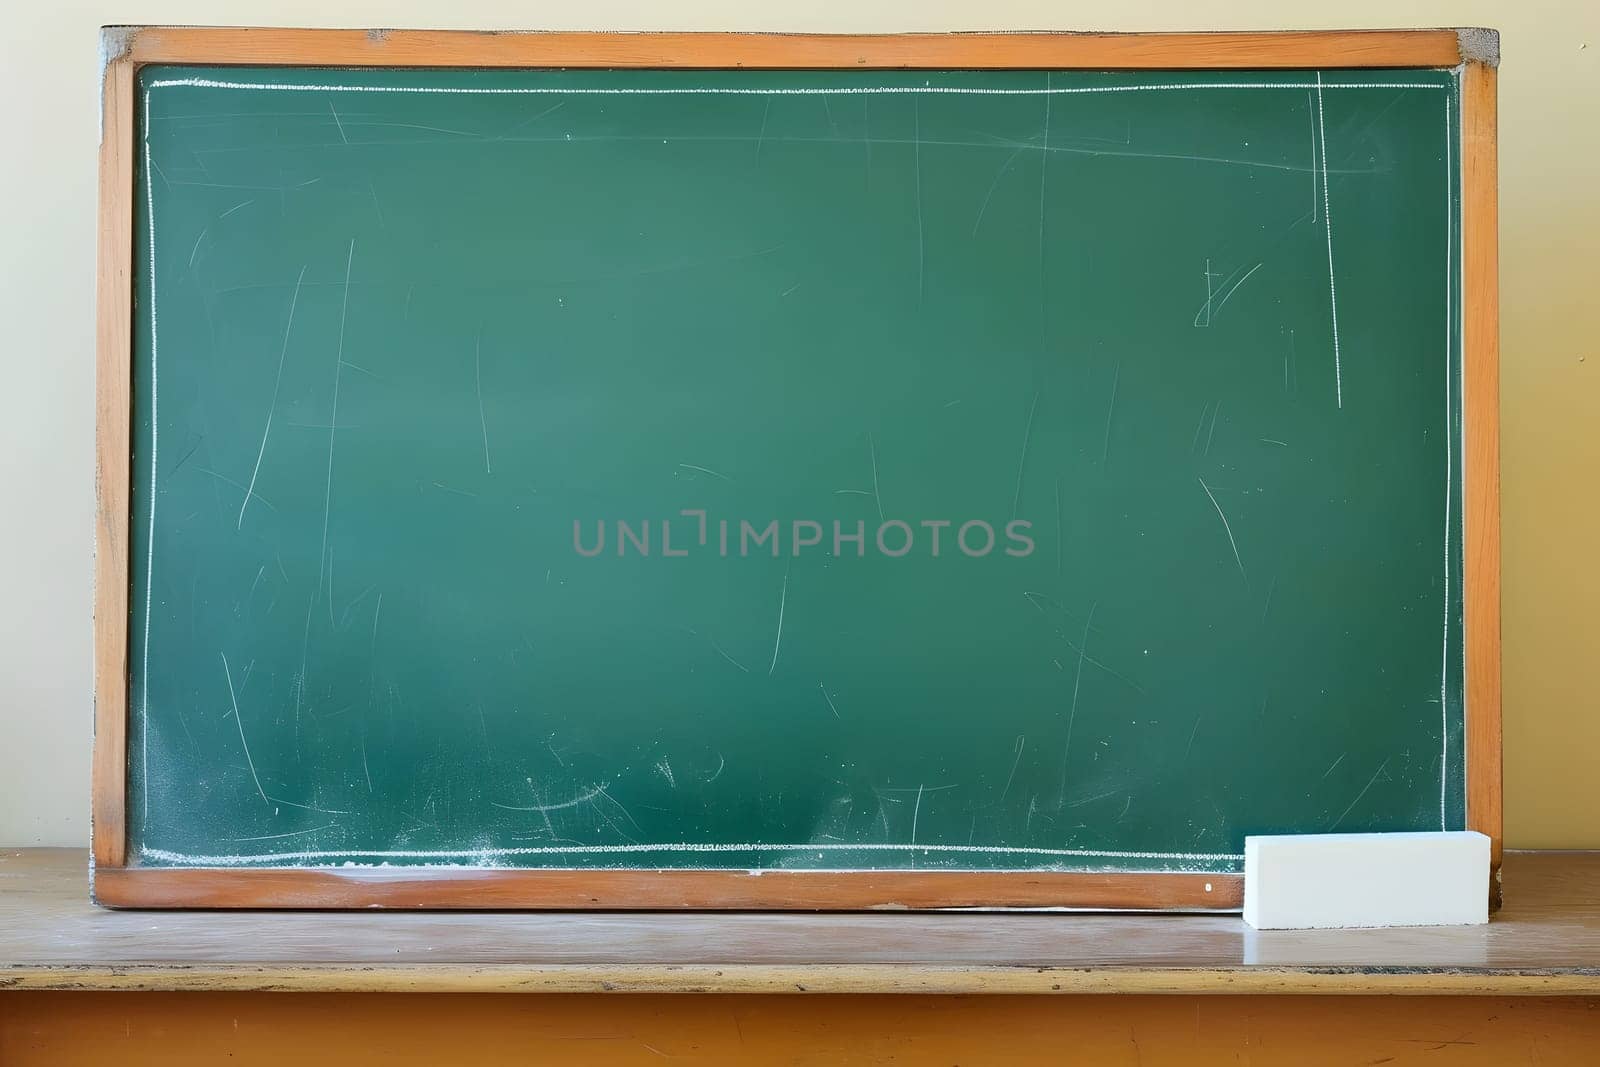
column 703, row 90
column 1449, row 465
column 482, row 854
column 213, row 83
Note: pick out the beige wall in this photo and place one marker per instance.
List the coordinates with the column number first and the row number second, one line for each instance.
column 1550, row 235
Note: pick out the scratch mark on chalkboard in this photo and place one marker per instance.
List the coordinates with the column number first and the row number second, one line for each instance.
column 406, row 314
column 721, row 764
column 1327, row 226
column 581, row 798
column 333, row 430
column 1273, row 441
column 705, row 470
column 254, row 584
column 1212, row 432
column 1001, row 173
column 866, row 135
column 1291, row 372
column 483, row 422
column 224, row 479
column 853, row 492
column 159, row 172
column 829, row 699
column 1204, row 409
column 290, row 833
column 916, row 125
column 1357, row 800
column 915, row 812
column 777, row 642
column 1044, row 174
column 283, row 353
column 178, row 466
column 872, row 452
column 483, row 728
column 1229, row 529
column 236, row 207
column 376, row 206
column 1271, row 588
column 1022, row 460
column 1111, row 409
column 1077, row 683
column 239, row 722
column 1016, row 758
column 761, row 139
column 1190, row 747
column 1216, row 297
column 724, row 654
column 415, row 126
column 620, row 808
column 359, row 369
column 196, row 249
column 1081, row 801
column 344, row 616
column 365, row 771
column 1311, row 117
column 337, row 123
column 453, row 489
column 530, row 120
column 1206, row 308
column 789, row 290
column 664, row 769
column 1334, row 764
column 551, row 746
column 1061, row 533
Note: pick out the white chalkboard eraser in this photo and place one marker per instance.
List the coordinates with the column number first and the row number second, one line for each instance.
column 1330, row 881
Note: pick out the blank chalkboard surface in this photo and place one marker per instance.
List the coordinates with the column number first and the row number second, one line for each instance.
column 791, row 470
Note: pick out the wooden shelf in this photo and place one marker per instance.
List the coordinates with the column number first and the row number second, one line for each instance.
column 1545, row 941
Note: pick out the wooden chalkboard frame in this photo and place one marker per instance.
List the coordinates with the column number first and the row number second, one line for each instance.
column 119, row 882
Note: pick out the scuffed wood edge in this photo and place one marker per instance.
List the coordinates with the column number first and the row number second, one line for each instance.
column 628, row 890
column 802, row 978
column 1059, row 51
column 1481, row 461
column 113, row 360
column 1479, row 45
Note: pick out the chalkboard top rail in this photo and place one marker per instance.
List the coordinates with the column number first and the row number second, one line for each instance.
column 785, row 51
column 121, row 881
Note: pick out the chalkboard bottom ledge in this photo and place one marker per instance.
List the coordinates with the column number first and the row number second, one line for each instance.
column 416, row 888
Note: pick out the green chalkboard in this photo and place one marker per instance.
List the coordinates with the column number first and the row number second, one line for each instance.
column 825, row 469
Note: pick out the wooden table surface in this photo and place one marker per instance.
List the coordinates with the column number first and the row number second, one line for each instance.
column 1544, row 941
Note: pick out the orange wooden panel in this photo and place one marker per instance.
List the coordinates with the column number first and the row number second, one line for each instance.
column 113, row 340
column 353, row 1030
column 1481, row 475
column 423, row 887
column 447, row 48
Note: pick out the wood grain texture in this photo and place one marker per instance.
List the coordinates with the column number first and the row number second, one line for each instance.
column 1059, row 51
column 113, row 341
column 354, row 1030
column 1545, row 941
column 444, row 887
column 1481, row 476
